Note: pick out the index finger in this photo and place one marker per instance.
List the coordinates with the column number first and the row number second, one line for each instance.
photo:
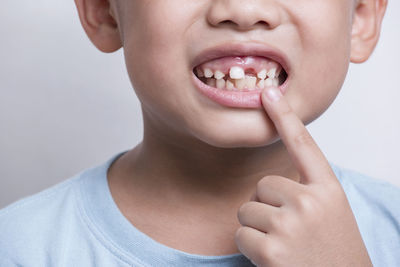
column 307, row 157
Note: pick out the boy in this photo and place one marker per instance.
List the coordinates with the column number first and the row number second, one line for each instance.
column 226, row 174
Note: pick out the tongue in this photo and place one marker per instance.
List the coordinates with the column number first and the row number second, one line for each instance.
column 251, row 64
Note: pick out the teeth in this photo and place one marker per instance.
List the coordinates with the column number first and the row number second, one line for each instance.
column 236, row 73
column 262, row 74
column 278, row 71
column 260, row 84
column 272, row 73
column 271, row 82
column 229, row 85
column 220, row 83
column 208, row 73
column 218, row 75
column 268, row 82
column 250, row 82
column 239, row 80
column 211, row 82
column 240, row 83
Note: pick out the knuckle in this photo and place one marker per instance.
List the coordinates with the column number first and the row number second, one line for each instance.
column 303, row 139
column 277, row 221
column 267, row 180
column 306, row 203
column 283, row 223
column 286, row 111
column 332, row 188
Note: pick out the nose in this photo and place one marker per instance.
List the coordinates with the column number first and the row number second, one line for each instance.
column 244, row 15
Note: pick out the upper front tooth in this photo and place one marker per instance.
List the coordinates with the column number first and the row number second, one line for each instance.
column 262, row 74
column 272, row 73
column 219, row 75
column 208, row 73
column 236, row 73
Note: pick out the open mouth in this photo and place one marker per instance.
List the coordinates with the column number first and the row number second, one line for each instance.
column 233, row 74
column 241, row 73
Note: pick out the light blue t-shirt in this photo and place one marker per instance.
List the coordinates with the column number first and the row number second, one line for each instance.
column 77, row 223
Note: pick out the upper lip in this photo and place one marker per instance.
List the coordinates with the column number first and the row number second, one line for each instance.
column 242, row 49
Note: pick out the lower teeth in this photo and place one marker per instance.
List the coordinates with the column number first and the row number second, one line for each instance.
column 250, row 83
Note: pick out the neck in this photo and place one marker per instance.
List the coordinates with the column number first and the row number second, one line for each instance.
column 186, row 170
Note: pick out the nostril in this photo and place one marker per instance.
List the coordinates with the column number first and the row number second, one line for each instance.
column 244, row 26
column 263, row 23
column 227, row 22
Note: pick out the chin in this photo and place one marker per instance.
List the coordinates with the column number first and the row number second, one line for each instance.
column 235, row 138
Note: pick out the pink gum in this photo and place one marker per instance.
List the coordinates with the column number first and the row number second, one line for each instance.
column 248, row 63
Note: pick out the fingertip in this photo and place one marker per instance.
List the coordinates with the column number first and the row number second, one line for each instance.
column 271, row 94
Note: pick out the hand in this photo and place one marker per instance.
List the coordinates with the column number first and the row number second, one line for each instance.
column 310, row 223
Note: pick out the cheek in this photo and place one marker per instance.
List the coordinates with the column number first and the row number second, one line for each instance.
column 325, row 38
column 156, row 27
column 157, row 85
column 154, row 56
column 160, row 73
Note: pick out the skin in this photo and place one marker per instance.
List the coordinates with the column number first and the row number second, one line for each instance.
column 196, row 167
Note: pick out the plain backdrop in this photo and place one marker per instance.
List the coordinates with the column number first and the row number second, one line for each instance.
column 65, row 106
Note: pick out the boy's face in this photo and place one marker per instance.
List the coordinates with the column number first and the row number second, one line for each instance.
column 163, row 39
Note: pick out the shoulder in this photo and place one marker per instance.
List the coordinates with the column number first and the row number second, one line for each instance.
column 37, row 199
column 53, row 227
column 376, row 206
column 29, row 225
column 360, row 187
column 39, row 203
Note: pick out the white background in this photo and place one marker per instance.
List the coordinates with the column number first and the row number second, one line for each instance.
column 65, row 106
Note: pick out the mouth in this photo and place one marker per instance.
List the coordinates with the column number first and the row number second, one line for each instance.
column 234, row 75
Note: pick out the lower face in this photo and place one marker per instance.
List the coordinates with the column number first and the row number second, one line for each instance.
column 313, row 35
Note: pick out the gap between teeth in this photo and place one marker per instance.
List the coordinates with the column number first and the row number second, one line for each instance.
column 238, row 79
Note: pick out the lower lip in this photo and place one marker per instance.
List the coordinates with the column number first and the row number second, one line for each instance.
column 235, row 99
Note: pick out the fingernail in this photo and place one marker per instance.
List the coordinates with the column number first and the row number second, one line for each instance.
column 273, row 94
